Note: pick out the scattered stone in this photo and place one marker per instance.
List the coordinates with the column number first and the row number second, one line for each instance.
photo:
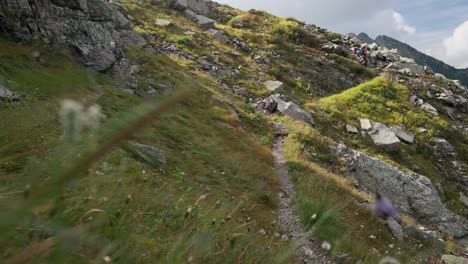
column 451, row 259
column 7, row 95
column 162, row 22
column 237, row 23
column 241, row 91
column 396, row 229
column 389, row 260
column 274, row 86
column 268, row 104
column 36, row 55
column 430, row 109
column 443, row 148
column 147, row 154
column 404, row 136
column 352, row 129
column 294, row 111
column 366, row 124
column 233, row 54
column 262, row 232
column 202, row 21
column 335, row 49
column 198, row 6
column 385, row 138
column 218, row 35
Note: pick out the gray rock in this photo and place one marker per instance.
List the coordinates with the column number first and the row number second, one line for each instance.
column 88, row 27
column 451, row 259
column 7, row 95
column 373, row 46
column 131, row 38
column 198, row 6
column 335, row 49
column 412, row 193
column 385, row 138
column 241, row 91
column 147, row 154
column 443, row 148
column 366, row 124
column 237, row 23
column 268, row 104
column 429, row 108
column 293, row 110
column 352, row 129
column 162, row 22
column 218, row 35
column 395, row 228
column 464, row 199
column 403, row 136
column 274, row 86
column 202, row 21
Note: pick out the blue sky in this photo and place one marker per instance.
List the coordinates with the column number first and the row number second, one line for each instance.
column 436, row 27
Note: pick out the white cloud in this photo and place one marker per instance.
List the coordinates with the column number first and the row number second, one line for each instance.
column 401, row 24
column 456, row 46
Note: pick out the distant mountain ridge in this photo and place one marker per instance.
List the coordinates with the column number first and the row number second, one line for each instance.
column 406, row 50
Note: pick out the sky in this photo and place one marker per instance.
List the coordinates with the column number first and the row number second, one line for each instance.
column 436, row 27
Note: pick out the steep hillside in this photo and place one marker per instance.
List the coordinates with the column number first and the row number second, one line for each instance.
column 192, row 132
column 406, row 50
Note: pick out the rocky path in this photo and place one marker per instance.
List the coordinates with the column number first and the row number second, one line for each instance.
column 308, row 249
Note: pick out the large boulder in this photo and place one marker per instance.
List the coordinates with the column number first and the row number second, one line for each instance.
column 412, row 193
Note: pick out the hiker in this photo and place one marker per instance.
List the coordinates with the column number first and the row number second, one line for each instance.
column 383, row 207
column 363, row 52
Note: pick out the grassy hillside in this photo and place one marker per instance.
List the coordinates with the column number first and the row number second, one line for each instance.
column 91, row 199
column 219, row 191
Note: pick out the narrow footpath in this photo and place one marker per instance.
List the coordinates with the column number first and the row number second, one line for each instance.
column 308, row 249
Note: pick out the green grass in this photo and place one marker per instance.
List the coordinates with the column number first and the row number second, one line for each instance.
column 380, row 101
column 354, row 67
column 219, row 191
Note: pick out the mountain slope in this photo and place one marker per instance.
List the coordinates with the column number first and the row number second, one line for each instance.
column 406, row 50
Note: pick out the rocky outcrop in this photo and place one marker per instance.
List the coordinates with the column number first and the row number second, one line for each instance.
column 90, row 28
column 412, row 193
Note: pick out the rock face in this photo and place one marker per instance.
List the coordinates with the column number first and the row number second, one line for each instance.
column 442, row 148
column 90, row 28
column 149, row 155
column 274, row 86
column 412, row 193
